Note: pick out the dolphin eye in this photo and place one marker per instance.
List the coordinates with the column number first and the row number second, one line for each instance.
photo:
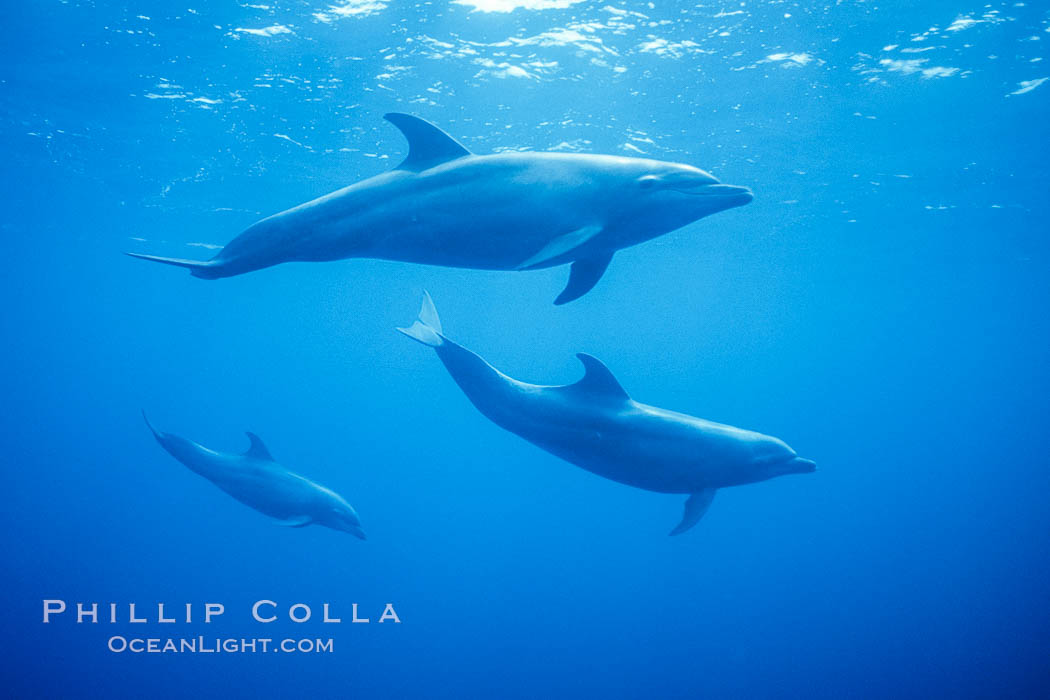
column 647, row 182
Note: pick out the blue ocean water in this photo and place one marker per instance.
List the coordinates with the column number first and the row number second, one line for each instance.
column 882, row 306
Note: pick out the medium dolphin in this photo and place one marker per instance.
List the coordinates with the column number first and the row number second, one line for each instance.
column 256, row 480
column 594, row 424
column 508, row 211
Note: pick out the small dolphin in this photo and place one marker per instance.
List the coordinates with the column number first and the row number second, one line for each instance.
column 256, row 480
column 508, row 211
column 595, row 425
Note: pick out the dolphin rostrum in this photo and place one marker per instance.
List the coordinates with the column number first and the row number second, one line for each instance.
column 595, row 425
column 256, row 480
column 507, row 211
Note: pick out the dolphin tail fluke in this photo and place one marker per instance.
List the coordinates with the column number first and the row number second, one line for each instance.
column 427, row 328
column 695, row 507
column 149, row 425
column 206, row 269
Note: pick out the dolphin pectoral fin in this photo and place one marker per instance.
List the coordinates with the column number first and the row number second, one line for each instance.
column 298, row 521
column 561, row 245
column 257, row 449
column 427, row 145
column 695, row 507
column 583, row 275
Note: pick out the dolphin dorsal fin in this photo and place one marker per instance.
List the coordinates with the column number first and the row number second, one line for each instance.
column 257, row 449
column 597, row 380
column 427, row 145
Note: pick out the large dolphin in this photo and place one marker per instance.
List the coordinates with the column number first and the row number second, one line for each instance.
column 256, row 480
column 594, row 424
column 508, row 211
